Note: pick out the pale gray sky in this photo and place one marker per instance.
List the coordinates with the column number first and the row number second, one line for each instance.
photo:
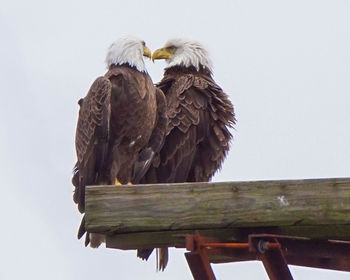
column 285, row 65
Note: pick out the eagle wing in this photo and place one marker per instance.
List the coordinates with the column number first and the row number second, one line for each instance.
column 91, row 138
column 213, row 148
column 197, row 138
column 147, row 155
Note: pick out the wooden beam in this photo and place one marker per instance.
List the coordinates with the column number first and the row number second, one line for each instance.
column 316, row 208
column 174, row 238
column 159, row 239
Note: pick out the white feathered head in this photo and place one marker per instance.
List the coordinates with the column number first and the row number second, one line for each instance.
column 128, row 50
column 184, row 52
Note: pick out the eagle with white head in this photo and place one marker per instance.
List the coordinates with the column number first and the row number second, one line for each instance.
column 200, row 115
column 121, row 125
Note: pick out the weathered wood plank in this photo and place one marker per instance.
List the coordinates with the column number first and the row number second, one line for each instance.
column 228, row 205
column 174, row 238
column 158, row 239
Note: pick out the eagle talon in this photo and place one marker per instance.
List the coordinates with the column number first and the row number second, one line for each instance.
column 117, row 183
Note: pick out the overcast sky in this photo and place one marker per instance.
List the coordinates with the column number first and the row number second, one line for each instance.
column 284, row 64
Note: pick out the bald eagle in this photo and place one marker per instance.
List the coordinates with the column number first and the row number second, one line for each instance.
column 199, row 117
column 121, row 124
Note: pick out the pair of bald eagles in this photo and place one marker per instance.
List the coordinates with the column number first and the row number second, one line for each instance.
column 130, row 131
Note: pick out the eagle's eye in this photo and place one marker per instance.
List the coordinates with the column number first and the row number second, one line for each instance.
column 171, row 49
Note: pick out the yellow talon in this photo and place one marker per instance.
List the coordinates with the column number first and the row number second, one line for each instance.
column 116, row 182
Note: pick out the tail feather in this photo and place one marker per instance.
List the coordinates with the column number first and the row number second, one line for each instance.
column 81, row 230
column 162, row 256
column 87, row 239
column 96, row 239
column 144, row 253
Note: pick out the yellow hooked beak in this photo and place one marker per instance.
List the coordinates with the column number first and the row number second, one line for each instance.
column 163, row 53
column 146, row 52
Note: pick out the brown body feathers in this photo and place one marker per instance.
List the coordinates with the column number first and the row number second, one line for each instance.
column 121, row 127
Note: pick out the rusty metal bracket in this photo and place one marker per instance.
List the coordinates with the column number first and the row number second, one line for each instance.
column 197, row 259
column 271, row 255
column 328, row 254
column 275, row 251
